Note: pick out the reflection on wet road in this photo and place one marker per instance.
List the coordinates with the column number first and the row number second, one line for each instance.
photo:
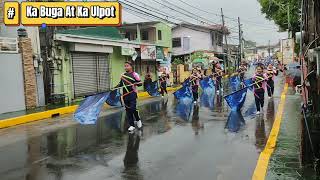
column 204, row 143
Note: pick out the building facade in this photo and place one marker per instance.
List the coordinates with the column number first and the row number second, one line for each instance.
column 91, row 60
column 20, row 68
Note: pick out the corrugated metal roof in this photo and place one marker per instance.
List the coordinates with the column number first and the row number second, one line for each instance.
column 100, row 32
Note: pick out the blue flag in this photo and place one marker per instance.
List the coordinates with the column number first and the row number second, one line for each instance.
column 186, row 82
column 248, row 83
column 237, row 99
column 183, row 92
column 235, row 121
column 184, row 108
column 114, row 98
column 153, row 88
column 89, row 110
column 234, row 83
column 208, row 92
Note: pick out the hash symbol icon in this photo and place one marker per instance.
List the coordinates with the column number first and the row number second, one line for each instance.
column 11, row 12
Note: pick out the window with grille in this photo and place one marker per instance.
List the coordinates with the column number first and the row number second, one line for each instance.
column 8, row 45
column 176, row 42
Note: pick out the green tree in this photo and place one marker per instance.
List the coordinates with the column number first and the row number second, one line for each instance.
column 277, row 10
column 198, row 55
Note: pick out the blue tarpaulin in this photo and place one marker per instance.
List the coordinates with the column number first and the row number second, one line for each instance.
column 153, row 88
column 208, row 92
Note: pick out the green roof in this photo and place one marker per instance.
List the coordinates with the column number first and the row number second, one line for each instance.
column 99, row 32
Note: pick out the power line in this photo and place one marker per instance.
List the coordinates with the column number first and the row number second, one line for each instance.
column 152, row 10
column 190, row 15
column 139, row 11
column 227, row 17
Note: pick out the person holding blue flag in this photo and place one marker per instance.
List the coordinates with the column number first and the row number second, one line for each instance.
column 195, row 83
column 218, row 73
column 163, row 82
column 129, row 80
column 242, row 70
column 259, row 80
column 271, row 72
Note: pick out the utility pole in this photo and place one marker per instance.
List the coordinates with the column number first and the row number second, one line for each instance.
column 225, row 59
column 269, row 49
column 240, row 43
column 289, row 25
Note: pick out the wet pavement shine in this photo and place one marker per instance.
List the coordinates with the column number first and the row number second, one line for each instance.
column 205, row 144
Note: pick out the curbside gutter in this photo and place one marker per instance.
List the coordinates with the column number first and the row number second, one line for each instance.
column 55, row 112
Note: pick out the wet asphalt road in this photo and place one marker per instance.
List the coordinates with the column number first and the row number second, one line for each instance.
column 206, row 144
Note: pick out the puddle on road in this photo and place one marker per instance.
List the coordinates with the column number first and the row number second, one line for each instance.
column 73, row 150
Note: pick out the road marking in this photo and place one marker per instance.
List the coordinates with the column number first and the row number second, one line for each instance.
column 4, row 123
column 263, row 161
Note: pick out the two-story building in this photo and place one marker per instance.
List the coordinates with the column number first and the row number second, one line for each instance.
column 156, row 33
column 90, row 60
column 190, row 38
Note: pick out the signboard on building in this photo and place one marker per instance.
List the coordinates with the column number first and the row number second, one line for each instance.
column 167, row 55
column 160, row 54
column 127, row 51
column 287, row 49
column 148, row 52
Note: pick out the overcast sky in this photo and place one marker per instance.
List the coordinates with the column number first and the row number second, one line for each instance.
column 255, row 26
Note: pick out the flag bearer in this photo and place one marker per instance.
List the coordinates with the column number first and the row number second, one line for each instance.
column 195, row 83
column 129, row 81
column 242, row 70
column 271, row 72
column 259, row 79
column 163, row 82
column 218, row 76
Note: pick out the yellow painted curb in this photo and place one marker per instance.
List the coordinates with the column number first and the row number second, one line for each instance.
column 263, row 161
column 36, row 116
column 50, row 113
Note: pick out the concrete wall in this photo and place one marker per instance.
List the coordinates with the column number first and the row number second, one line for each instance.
column 117, row 65
column 11, row 82
column 198, row 40
column 166, row 35
column 10, row 32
